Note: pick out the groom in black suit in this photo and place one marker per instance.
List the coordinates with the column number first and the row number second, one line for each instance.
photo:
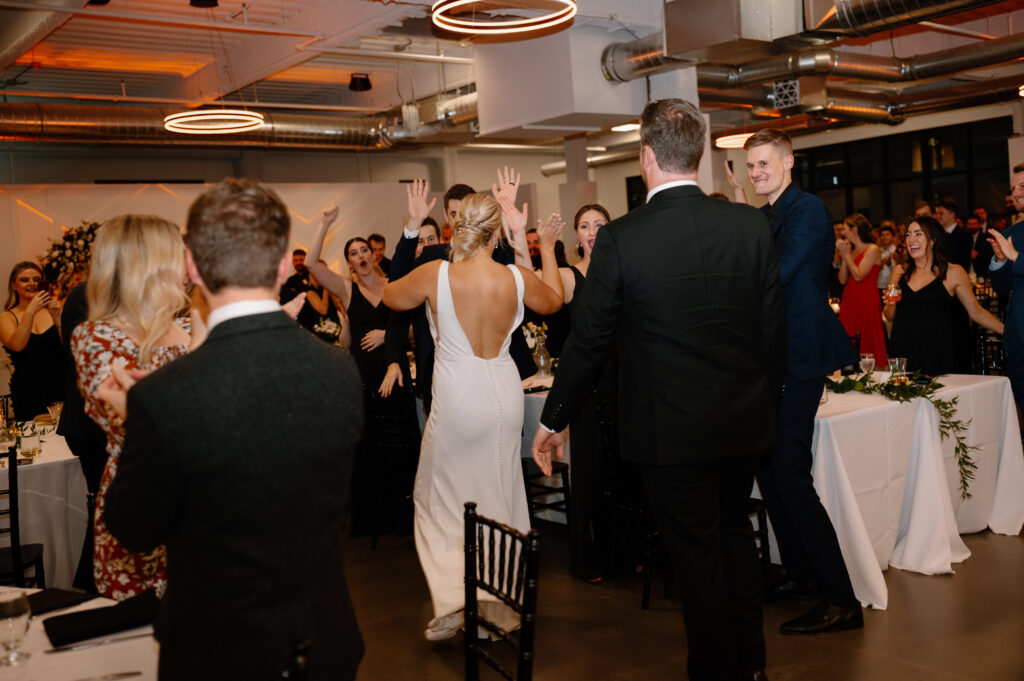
column 701, row 346
column 238, row 458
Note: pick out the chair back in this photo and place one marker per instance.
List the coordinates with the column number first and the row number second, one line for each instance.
column 504, row 563
column 10, row 458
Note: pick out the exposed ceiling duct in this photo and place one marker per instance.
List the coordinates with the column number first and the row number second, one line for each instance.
column 826, row 61
column 864, row 17
column 124, row 125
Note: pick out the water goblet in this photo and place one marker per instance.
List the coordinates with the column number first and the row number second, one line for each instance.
column 867, row 362
column 14, row 620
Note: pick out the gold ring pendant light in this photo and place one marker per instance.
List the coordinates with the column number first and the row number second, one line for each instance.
column 443, row 15
column 214, row 121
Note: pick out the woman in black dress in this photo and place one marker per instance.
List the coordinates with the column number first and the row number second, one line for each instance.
column 386, row 458
column 590, row 513
column 33, row 342
column 922, row 323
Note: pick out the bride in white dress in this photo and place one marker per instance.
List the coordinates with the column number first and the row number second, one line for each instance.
column 470, row 448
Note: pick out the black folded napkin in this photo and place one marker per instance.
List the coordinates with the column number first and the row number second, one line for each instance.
column 49, row 600
column 137, row 611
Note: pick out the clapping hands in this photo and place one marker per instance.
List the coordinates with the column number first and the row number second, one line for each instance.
column 1002, row 247
column 550, row 230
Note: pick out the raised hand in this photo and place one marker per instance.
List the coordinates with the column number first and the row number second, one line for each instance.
column 1003, row 247
column 39, row 301
column 550, row 230
column 730, row 178
column 329, row 214
column 508, row 184
column 516, row 219
column 843, row 246
column 419, row 208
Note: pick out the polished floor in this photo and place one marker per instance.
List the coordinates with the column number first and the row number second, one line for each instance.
column 963, row 627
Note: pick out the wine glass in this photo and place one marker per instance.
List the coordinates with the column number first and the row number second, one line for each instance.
column 867, row 362
column 30, row 446
column 14, row 620
column 55, row 410
column 892, row 294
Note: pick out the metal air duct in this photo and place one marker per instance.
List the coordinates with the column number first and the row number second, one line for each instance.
column 864, row 17
column 130, row 125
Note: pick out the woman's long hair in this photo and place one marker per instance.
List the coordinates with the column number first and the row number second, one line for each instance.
column 12, row 295
column 136, row 276
column 934, row 233
column 478, row 218
column 376, row 267
column 862, row 226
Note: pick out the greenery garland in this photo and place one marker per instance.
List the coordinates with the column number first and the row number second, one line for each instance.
column 72, row 252
column 904, row 389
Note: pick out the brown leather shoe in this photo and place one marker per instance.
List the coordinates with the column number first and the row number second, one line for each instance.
column 825, row 617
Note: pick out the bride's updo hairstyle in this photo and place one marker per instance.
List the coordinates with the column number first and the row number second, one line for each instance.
column 478, row 217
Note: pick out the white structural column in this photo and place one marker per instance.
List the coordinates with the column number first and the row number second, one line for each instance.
column 578, row 190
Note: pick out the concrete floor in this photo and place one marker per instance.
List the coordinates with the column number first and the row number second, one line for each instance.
column 963, row 627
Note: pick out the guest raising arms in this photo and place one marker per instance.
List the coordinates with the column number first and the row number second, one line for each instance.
column 860, row 310
column 135, row 289
column 33, row 342
column 922, row 322
column 470, row 449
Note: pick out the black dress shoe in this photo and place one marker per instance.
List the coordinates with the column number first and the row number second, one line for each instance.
column 826, row 617
column 792, row 590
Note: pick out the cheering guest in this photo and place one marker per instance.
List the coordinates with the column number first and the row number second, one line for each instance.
column 1007, row 277
column 237, row 457
column 860, row 310
column 922, row 324
column 378, row 244
column 33, row 342
column 298, row 282
column 134, row 292
column 705, row 305
column 817, row 346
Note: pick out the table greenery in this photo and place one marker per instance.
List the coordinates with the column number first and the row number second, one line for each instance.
column 904, row 389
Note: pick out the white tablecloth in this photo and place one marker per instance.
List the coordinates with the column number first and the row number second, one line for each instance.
column 139, row 654
column 890, row 485
column 51, row 502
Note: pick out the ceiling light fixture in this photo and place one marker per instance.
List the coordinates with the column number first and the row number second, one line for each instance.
column 359, row 82
column 733, row 141
column 214, row 121
column 1020, row 91
column 443, row 15
column 626, row 127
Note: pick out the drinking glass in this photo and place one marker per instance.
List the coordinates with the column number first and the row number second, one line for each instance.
column 867, row 362
column 54, row 410
column 892, row 294
column 30, row 446
column 897, row 366
column 14, row 621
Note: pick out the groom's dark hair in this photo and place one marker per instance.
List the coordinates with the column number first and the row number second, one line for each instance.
column 237, row 233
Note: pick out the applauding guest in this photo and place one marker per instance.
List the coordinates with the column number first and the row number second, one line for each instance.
column 861, row 310
column 237, row 457
column 135, row 288
column 921, row 315
column 33, row 341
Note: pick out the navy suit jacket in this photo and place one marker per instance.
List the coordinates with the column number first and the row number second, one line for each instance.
column 818, row 344
column 1010, row 277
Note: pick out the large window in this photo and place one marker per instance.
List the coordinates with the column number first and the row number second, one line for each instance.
column 884, row 177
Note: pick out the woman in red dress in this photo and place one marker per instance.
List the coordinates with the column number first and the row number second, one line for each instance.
column 135, row 293
column 860, row 309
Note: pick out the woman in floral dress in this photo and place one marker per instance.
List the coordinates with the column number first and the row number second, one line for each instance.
column 135, row 297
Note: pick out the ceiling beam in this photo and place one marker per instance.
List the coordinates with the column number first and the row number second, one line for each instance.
column 22, row 30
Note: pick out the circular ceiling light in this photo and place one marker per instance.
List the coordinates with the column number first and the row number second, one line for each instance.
column 214, row 121
column 443, row 16
column 733, row 141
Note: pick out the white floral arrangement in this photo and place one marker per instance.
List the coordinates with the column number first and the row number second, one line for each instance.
column 72, row 252
column 328, row 327
column 533, row 331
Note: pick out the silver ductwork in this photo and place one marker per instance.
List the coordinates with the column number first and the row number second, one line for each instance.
column 826, row 61
column 129, row 125
column 864, row 17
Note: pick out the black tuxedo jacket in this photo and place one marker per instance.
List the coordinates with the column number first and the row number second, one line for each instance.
column 238, row 457
column 689, row 287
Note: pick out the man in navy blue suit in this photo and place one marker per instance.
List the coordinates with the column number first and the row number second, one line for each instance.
column 1010, row 276
column 817, row 345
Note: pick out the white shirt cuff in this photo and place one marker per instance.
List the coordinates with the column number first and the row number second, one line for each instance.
column 996, row 264
column 547, row 429
column 409, row 234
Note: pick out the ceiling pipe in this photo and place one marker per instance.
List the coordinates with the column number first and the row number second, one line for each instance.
column 645, row 56
column 829, row 62
column 153, row 19
column 122, row 125
column 190, row 102
column 391, row 56
column 864, row 17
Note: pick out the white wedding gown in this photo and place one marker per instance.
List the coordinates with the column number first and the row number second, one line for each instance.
column 470, row 449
